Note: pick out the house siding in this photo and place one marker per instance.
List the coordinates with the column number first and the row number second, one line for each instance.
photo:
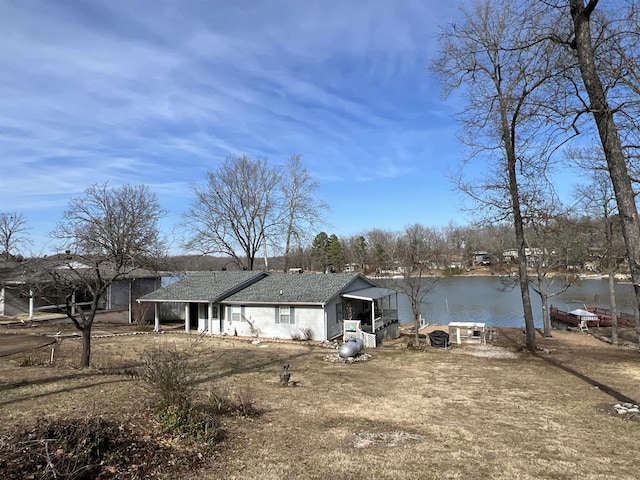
column 263, row 319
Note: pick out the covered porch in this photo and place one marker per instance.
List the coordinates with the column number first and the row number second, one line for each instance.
column 201, row 317
column 372, row 314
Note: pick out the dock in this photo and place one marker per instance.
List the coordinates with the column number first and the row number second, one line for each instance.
column 601, row 318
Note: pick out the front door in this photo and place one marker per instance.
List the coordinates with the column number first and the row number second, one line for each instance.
column 193, row 316
column 203, row 317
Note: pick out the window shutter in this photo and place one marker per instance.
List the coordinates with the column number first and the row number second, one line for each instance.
column 242, row 314
column 292, row 320
column 277, row 310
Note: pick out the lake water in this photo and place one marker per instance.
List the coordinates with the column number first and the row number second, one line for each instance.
column 484, row 299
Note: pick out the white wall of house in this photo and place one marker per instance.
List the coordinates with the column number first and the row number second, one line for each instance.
column 263, row 319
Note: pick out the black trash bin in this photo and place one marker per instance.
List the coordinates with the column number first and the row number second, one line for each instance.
column 439, row 339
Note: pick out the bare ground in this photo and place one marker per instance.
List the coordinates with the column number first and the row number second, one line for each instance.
column 468, row 412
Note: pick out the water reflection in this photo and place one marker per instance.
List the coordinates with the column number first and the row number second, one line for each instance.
column 484, row 299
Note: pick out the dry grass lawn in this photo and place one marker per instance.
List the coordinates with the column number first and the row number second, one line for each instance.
column 464, row 413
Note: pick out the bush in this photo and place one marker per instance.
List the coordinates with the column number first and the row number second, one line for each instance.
column 307, row 333
column 170, row 373
column 29, row 361
column 219, row 399
column 89, row 448
column 453, row 271
column 246, row 401
column 191, row 422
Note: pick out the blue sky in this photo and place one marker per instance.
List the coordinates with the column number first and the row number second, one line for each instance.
column 159, row 92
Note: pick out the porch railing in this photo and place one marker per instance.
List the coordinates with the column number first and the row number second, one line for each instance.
column 380, row 330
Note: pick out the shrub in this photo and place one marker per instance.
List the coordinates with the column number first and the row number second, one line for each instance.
column 255, row 331
column 307, row 333
column 219, row 399
column 171, row 374
column 92, row 447
column 191, row 422
column 29, row 361
column 246, row 401
column 453, row 271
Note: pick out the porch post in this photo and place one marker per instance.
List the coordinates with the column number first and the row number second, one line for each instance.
column 73, row 303
column 210, row 318
column 373, row 316
column 156, row 317
column 30, row 304
column 187, row 319
column 130, row 304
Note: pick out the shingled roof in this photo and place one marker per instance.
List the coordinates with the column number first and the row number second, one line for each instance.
column 295, row 288
column 204, row 287
column 255, row 287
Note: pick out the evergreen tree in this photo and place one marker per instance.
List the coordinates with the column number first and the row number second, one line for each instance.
column 335, row 254
column 319, row 251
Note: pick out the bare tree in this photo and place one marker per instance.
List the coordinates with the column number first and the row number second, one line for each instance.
column 247, row 206
column 612, row 145
column 107, row 234
column 506, row 73
column 549, row 243
column 357, row 251
column 302, row 208
column 382, row 246
column 598, row 200
column 236, row 213
column 419, row 250
column 13, row 233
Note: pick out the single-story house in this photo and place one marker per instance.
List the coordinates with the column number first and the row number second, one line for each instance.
column 23, row 293
column 279, row 305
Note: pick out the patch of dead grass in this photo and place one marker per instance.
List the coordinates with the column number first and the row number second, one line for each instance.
column 404, row 414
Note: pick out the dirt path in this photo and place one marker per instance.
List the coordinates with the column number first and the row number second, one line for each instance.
column 11, row 343
column 17, row 337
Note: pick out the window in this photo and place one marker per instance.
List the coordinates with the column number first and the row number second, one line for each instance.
column 284, row 315
column 237, row 314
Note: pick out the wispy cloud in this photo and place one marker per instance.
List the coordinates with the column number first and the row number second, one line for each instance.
column 158, row 92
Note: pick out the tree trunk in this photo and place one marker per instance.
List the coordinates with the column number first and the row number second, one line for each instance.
column 546, row 321
column 614, row 307
column 86, row 346
column 523, row 278
column 416, row 321
column 610, row 139
column 287, row 246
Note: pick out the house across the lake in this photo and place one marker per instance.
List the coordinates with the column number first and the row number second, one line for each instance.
column 279, row 305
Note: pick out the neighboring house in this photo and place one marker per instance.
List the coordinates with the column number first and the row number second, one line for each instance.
column 532, row 254
column 395, row 270
column 26, row 294
column 482, row 258
column 278, row 305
